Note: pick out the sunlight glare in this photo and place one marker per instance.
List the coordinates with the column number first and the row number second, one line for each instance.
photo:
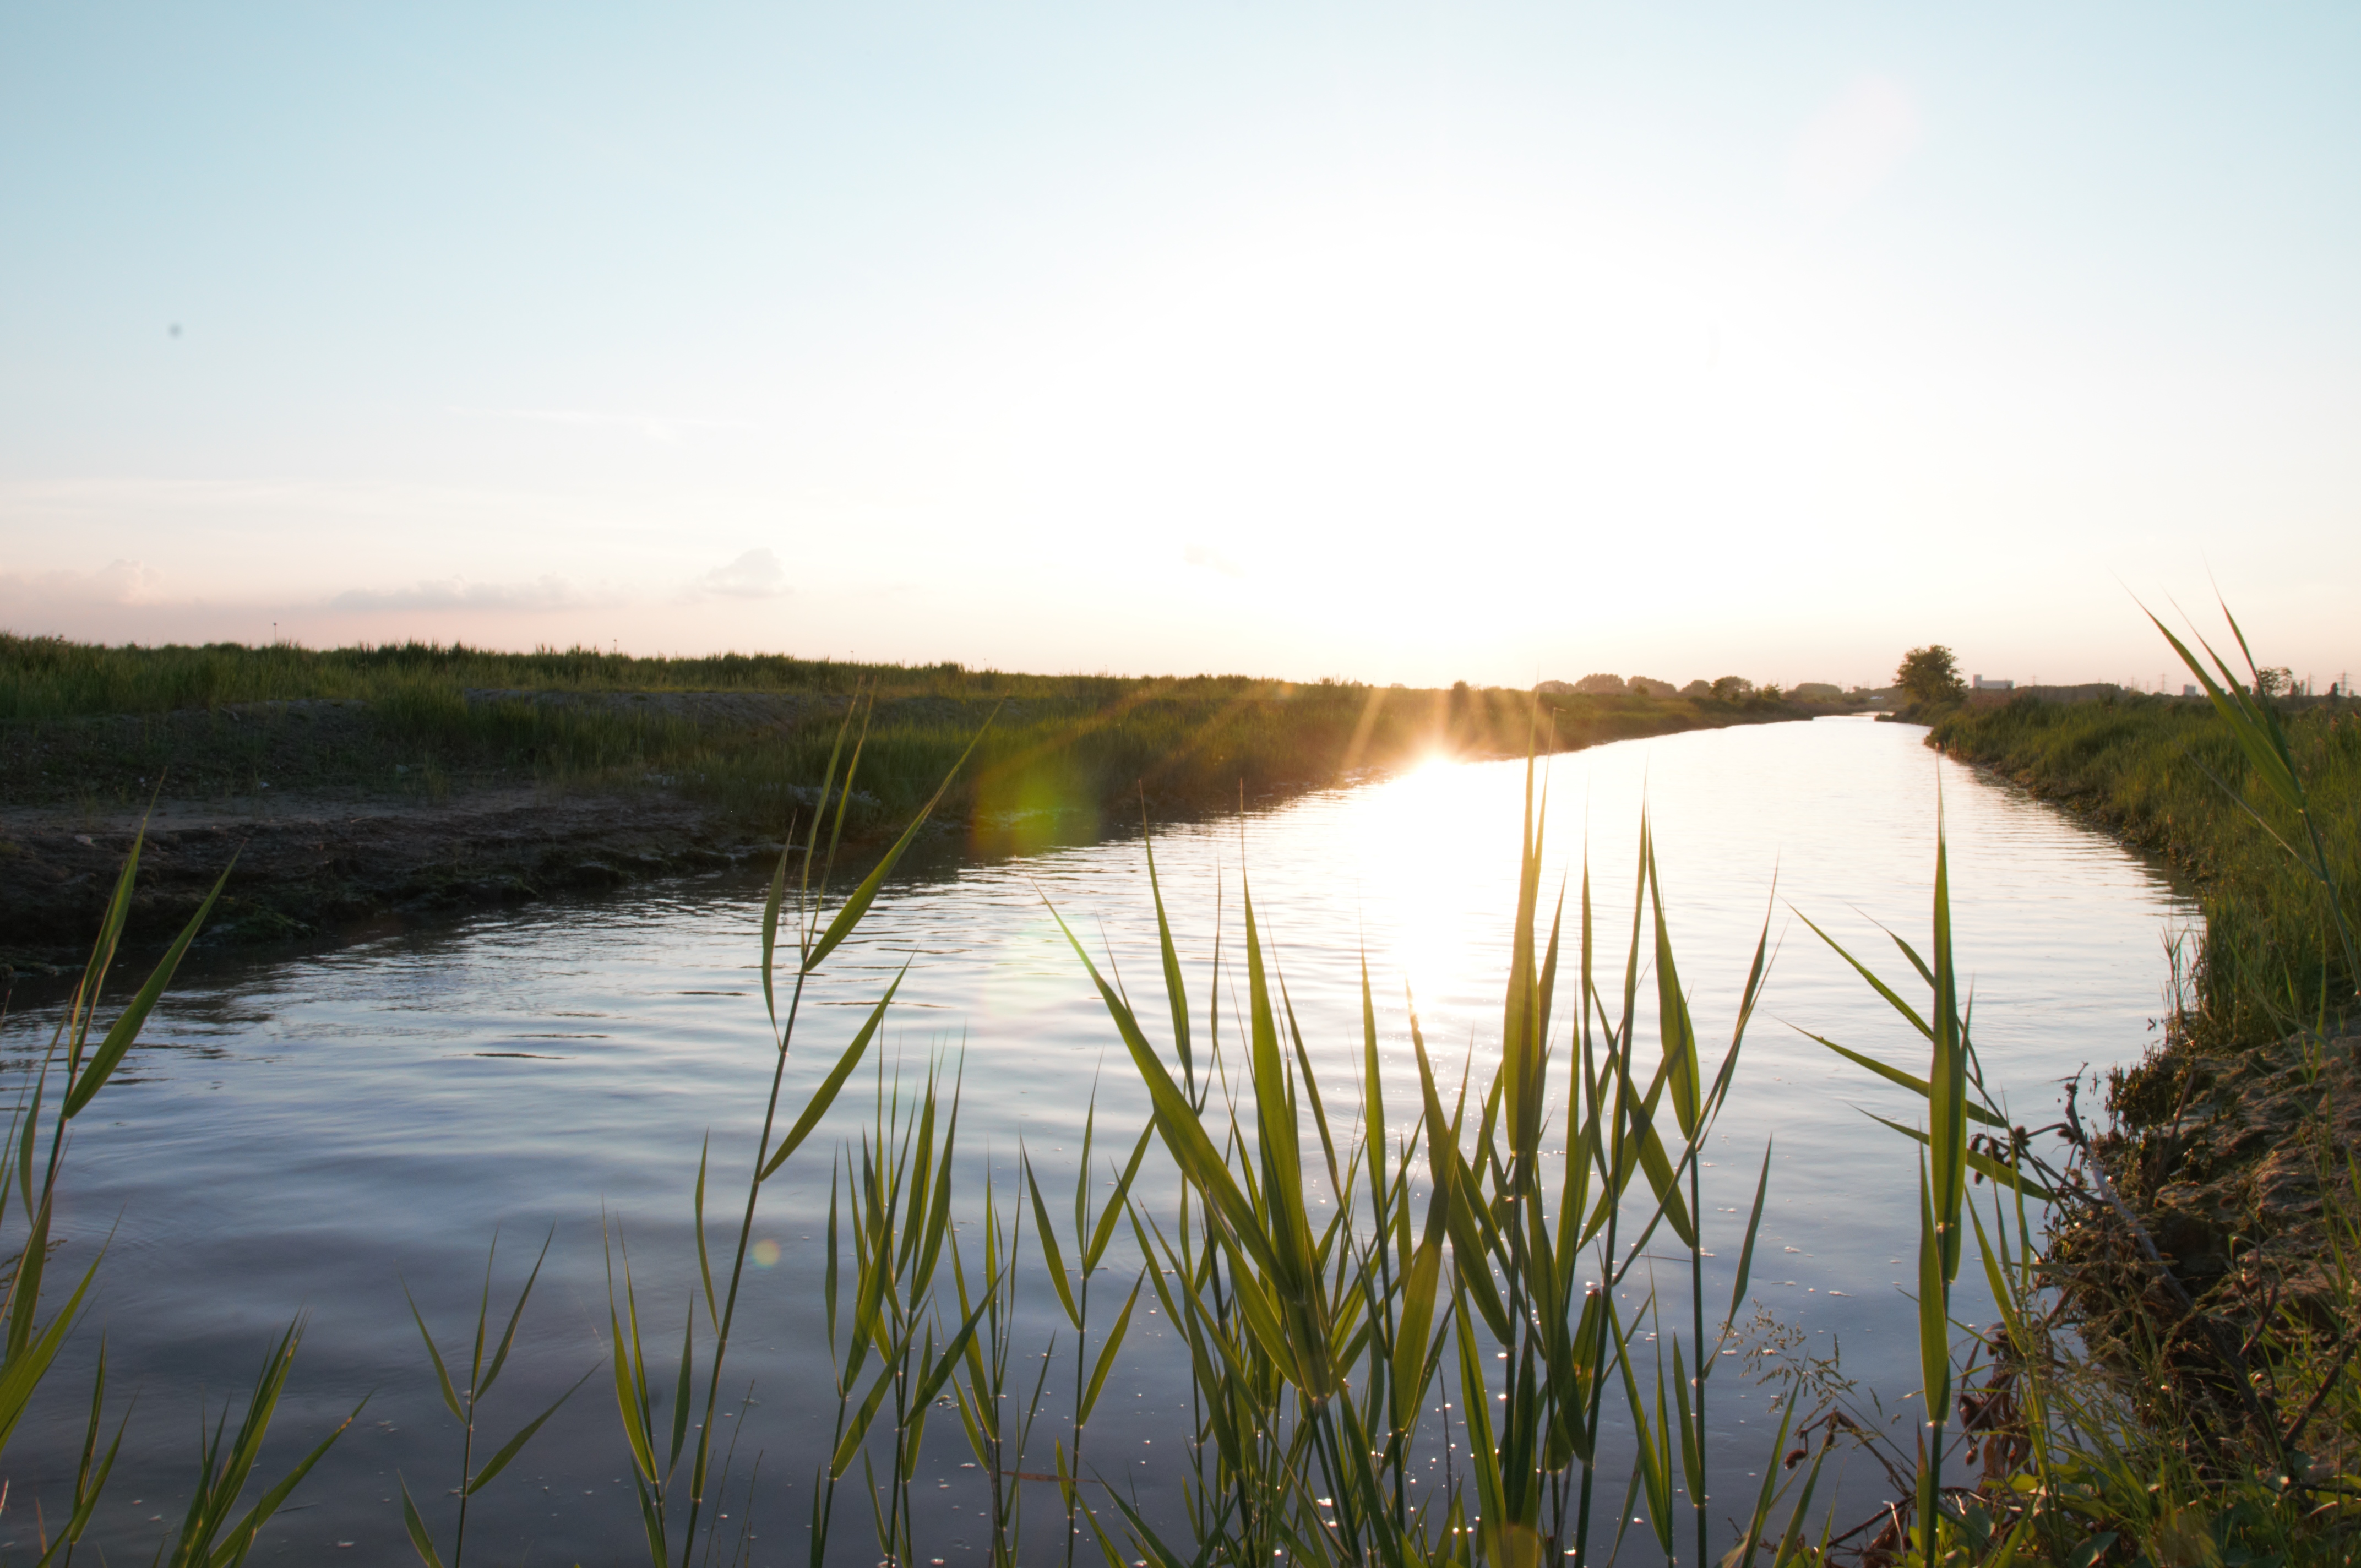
column 1420, row 836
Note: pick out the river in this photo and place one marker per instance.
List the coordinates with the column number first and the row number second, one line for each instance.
column 306, row 1134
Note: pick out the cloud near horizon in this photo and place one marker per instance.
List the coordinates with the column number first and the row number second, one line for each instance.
column 119, row 582
column 757, row 575
column 1207, row 558
column 546, row 593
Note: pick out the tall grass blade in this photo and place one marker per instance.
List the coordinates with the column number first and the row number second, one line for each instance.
column 850, row 914
column 825, row 1095
column 515, row 1445
column 1895, row 1076
column 85, row 1084
column 421, row 1539
column 1107, row 1354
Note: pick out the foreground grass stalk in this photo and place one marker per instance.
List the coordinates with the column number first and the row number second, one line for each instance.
column 986, row 1361
column 1312, row 1343
column 209, row 1537
column 462, row 1403
column 814, row 943
column 30, row 1347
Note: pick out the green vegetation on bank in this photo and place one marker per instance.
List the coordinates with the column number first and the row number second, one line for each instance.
column 2159, row 773
column 747, row 734
column 2213, row 1273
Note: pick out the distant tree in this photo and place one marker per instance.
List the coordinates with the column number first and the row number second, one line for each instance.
column 1930, row 675
column 1696, row 689
column 1815, row 691
column 1733, row 688
column 1770, row 693
column 1646, row 685
column 1600, row 686
column 2269, row 682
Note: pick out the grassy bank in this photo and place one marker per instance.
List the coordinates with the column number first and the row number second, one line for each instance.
column 748, row 736
column 2153, row 771
column 2214, row 1267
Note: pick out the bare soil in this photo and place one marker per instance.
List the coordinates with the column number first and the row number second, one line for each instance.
column 313, row 866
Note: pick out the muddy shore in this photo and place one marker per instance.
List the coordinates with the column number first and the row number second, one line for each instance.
column 311, row 868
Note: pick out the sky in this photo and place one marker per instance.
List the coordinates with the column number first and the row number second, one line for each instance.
column 1389, row 342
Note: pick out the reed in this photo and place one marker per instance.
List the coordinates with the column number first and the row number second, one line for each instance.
column 659, row 1483
column 213, row 1530
column 1314, row 1344
column 462, row 1402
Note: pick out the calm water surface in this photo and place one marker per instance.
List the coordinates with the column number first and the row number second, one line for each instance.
column 306, row 1135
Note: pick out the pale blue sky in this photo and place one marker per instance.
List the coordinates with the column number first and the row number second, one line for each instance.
column 1395, row 342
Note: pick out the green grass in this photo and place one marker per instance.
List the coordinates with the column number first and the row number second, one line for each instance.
column 2153, row 770
column 97, row 726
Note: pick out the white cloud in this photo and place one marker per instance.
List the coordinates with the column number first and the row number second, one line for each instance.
column 117, row 583
column 1212, row 560
column 667, row 429
column 757, row 575
column 1853, row 146
column 456, row 593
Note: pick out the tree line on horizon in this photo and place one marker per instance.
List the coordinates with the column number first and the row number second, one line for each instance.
column 1725, row 688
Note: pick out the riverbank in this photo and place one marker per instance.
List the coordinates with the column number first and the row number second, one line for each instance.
column 2152, row 772
column 358, row 787
column 2231, row 1144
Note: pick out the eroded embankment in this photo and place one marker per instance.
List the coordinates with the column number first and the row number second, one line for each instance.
column 319, row 867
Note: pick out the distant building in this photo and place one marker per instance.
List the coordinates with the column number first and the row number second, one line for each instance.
column 1983, row 685
column 2191, row 691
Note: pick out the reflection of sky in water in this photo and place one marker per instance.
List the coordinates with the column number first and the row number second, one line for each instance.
column 310, row 1129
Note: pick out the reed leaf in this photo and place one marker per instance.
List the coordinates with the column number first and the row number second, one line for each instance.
column 92, row 1075
column 1177, row 1122
column 1176, row 991
column 856, row 905
column 825, row 1095
column 849, row 1444
column 442, row 1373
column 1917, row 1086
column 29, row 1362
column 421, row 1539
column 515, row 1445
column 1106, row 1364
column 1117, row 1203
column 1746, row 1253
column 1976, row 1160
column 1045, row 1235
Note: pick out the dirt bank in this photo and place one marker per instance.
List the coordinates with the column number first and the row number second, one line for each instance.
column 312, row 866
column 2235, row 1160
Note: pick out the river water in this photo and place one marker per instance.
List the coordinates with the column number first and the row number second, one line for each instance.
column 308, row 1135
